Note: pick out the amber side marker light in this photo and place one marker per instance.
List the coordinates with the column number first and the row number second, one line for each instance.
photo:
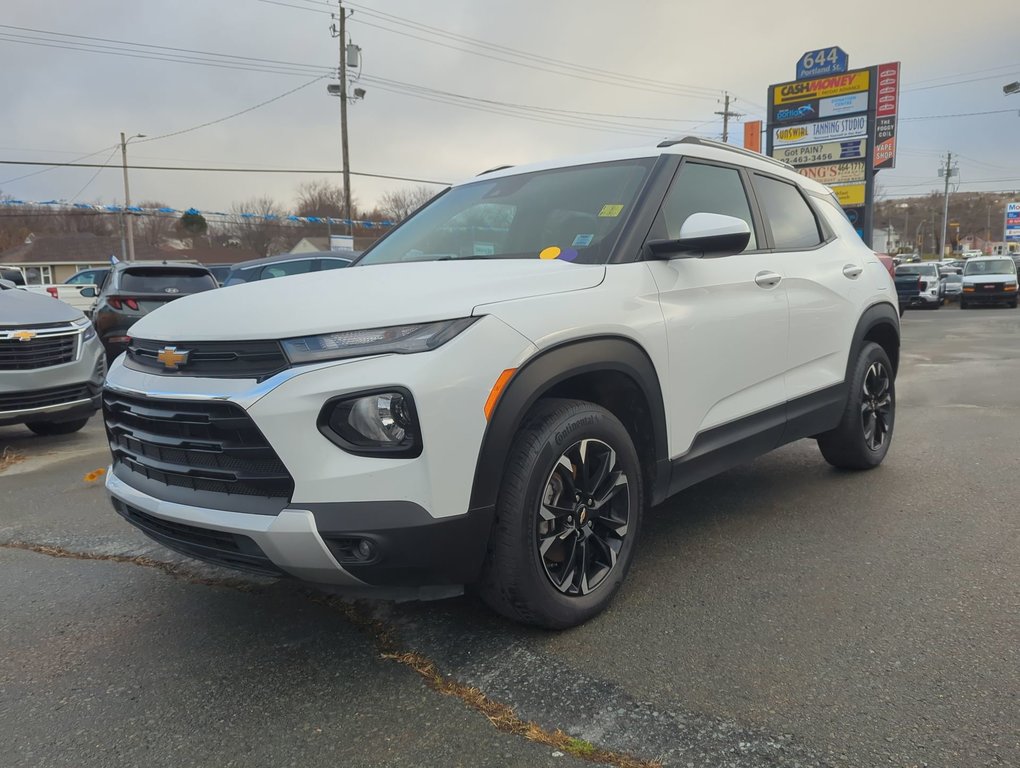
column 497, row 391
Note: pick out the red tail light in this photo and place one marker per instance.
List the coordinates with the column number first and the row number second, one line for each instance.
column 52, row 292
column 116, row 302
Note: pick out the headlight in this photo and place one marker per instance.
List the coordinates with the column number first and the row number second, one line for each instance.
column 90, row 330
column 373, row 424
column 1010, row 286
column 395, row 339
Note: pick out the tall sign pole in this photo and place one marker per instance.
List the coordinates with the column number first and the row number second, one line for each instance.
column 344, row 153
column 129, row 224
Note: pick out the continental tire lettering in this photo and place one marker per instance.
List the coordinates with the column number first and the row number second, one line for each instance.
column 585, row 421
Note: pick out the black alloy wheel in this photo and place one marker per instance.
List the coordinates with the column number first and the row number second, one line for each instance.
column 876, row 406
column 583, row 517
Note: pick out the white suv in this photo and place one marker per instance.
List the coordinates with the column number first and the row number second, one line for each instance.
column 494, row 393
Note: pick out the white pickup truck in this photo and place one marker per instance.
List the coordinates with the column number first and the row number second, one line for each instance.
column 80, row 296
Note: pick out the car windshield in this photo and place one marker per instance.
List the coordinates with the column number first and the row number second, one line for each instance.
column 239, row 276
column 172, row 280
column 573, row 214
column 954, row 278
column 916, row 269
column 990, row 267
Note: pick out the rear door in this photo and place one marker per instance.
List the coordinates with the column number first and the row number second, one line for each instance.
column 727, row 319
column 825, row 282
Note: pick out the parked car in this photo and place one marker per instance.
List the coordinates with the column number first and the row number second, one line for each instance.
column 497, row 405
column 220, row 271
column 134, row 289
column 285, row 264
column 92, row 276
column 81, row 297
column 908, row 289
column 989, row 280
column 930, row 290
column 952, row 287
column 51, row 363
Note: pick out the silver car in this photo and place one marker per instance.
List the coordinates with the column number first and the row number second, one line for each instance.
column 52, row 365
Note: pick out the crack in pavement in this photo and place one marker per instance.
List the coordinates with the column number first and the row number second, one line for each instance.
column 500, row 715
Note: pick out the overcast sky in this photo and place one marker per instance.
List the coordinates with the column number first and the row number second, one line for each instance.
column 60, row 104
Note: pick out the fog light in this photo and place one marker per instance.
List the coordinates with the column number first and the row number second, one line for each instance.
column 379, row 424
column 365, row 549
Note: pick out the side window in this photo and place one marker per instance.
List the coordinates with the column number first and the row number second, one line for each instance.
column 286, row 268
column 706, row 189
column 790, row 217
column 333, row 264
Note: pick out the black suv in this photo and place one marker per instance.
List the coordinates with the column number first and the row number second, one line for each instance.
column 134, row 289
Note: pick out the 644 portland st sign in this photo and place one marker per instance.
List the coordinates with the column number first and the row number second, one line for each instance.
column 838, row 126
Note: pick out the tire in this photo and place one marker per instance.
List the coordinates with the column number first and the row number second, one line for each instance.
column 527, row 576
column 1012, row 304
column 963, row 304
column 872, row 399
column 47, row 428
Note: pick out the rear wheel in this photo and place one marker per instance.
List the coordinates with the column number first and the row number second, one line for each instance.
column 963, row 304
column 567, row 516
column 46, row 428
column 862, row 438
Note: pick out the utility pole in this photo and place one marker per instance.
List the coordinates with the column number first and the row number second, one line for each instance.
column 726, row 115
column 345, row 156
column 947, row 171
column 126, row 217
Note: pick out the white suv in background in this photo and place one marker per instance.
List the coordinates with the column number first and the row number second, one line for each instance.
column 495, row 392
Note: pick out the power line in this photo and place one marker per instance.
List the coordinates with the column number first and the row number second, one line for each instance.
column 947, row 85
column 227, row 170
column 106, row 164
column 235, row 114
column 1015, row 65
column 961, row 114
column 516, row 52
column 44, row 170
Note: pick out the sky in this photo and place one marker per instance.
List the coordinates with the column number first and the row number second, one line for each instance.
column 595, row 75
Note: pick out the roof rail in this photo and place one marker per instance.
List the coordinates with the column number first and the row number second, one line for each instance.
column 729, row 147
column 493, row 170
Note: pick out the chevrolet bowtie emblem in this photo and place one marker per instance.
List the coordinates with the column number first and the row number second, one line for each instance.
column 24, row 335
column 171, row 358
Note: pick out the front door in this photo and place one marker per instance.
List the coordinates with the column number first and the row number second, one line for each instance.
column 727, row 321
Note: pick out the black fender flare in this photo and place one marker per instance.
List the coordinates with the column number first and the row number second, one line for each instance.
column 544, row 371
column 882, row 313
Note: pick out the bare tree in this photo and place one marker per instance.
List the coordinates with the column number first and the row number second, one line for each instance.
column 257, row 224
column 152, row 228
column 400, row 203
column 320, row 198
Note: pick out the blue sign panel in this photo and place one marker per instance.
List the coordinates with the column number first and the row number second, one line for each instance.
column 824, row 61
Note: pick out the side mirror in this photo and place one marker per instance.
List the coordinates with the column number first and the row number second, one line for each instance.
column 704, row 234
column 6, row 285
column 88, row 293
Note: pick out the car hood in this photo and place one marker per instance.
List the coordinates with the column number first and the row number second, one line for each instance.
column 360, row 297
column 20, row 308
column 997, row 277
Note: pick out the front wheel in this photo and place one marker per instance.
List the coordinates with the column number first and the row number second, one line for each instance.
column 567, row 516
column 862, row 438
column 963, row 304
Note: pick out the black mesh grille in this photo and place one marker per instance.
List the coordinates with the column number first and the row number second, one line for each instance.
column 989, row 287
column 40, row 398
column 213, row 447
column 215, row 359
column 40, row 352
column 232, row 550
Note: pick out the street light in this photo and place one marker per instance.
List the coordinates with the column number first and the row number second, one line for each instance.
column 1011, row 88
column 905, row 207
column 126, row 221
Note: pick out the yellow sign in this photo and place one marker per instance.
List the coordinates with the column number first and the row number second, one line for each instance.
column 796, row 133
column 822, row 87
column 610, row 211
column 849, row 194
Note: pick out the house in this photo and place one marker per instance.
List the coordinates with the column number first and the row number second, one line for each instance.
column 53, row 258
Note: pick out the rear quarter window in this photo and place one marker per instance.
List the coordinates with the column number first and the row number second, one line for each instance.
column 790, row 217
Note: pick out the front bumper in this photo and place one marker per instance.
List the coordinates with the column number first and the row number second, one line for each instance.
column 56, row 393
column 989, row 297
column 423, row 539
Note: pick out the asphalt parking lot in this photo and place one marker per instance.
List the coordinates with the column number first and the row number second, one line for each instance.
column 782, row 614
